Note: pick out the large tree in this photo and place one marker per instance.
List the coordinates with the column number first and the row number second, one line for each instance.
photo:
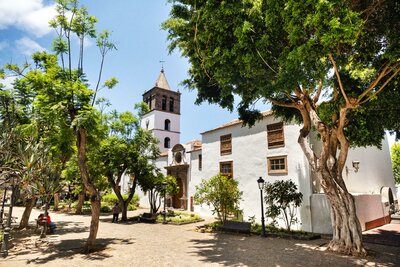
column 128, row 150
column 333, row 65
column 63, row 93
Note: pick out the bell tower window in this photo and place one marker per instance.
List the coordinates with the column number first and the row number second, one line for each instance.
column 164, row 103
column 167, row 142
column 167, row 125
column 171, row 104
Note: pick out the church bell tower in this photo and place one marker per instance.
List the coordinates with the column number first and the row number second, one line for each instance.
column 164, row 116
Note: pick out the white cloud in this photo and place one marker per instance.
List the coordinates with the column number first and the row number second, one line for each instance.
column 27, row 46
column 7, row 82
column 28, row 15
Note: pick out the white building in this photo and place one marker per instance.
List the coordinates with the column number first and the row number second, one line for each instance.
column 270, row 150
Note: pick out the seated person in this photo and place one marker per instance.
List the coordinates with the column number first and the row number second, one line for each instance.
column 52, row 226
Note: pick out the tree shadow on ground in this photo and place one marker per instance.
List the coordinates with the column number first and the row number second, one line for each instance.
column 131, row 220
column 69, row 248
column 238, row 250
column 383, row 237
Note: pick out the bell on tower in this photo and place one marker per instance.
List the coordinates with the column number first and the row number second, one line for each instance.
column 164, row 116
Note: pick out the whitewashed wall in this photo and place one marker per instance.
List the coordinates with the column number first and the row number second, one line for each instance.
column 156, row 121
column 369, row 207
column 375, row 170
column 249, row 155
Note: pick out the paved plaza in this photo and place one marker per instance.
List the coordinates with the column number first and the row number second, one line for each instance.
column 139, row 244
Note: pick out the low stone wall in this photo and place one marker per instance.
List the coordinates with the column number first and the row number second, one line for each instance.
column 370, row 211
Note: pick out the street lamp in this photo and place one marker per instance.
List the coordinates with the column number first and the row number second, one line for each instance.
column 261, row 184
column 165, row 184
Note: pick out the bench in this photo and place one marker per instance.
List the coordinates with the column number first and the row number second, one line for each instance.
column 236, row 227
column 148, row 217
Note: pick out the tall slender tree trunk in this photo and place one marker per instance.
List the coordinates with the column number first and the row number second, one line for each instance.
column 81, row 138
column 81, row 201
column 56, row 201
column 29, row 204
column 94, row 224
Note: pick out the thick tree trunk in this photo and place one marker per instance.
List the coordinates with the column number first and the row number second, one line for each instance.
column 30, row 203
column 328, row 167
column 124, row 210
column 81, row 200
column 56, row 201
column 347, row 234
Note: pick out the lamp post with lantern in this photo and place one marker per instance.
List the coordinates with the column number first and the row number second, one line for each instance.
column 165, row 185
column 261, row 185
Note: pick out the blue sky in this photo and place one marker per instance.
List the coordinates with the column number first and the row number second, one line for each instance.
column 141, row 45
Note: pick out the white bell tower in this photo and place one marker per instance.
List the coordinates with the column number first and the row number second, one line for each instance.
column 164, row 116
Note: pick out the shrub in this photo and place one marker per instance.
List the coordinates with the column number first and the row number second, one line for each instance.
column 282, row 199
column 221, row 193
column 105, row 208
column 110, row 200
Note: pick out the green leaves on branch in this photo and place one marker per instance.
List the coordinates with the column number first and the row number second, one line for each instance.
column 396, row 162
column 282, row 200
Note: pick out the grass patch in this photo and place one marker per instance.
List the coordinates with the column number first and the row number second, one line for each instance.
column 179, row 218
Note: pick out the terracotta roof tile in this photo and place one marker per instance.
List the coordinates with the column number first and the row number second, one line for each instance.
column 236, row 121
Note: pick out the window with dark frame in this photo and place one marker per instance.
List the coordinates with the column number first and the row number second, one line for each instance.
column 167, row 142
column 277, row 165
column 171, row 104
column 226, row 144
column 200, row 162
column 164, row 103
column 167, row 125
column 226, row 168
column 275, row 135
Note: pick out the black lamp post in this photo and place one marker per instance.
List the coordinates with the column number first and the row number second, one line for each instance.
column 165, row 184
column 261, row 184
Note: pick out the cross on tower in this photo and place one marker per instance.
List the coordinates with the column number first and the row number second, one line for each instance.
column 162, row 64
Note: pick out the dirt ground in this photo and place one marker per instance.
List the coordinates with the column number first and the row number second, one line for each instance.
column 139, row 244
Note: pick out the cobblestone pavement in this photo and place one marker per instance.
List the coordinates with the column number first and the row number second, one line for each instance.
column 139, row 244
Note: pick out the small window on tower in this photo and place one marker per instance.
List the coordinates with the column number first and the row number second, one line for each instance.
column 200, row 162
column 171, row 104
column 167, row 142
column 164, row 103
column 167, row 125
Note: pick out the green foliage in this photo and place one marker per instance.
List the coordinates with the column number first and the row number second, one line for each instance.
column 269, row 49
column 396, row 162
column 105, row 208
column 282, row 199
column 221, row 193
column 179, row 218
column 111, row 199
